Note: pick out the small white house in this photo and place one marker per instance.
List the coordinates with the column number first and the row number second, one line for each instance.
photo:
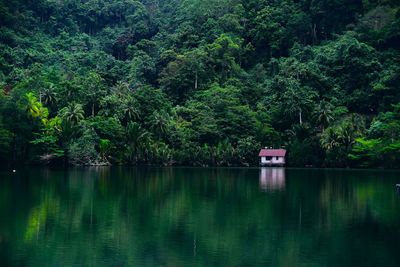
column 272, row 157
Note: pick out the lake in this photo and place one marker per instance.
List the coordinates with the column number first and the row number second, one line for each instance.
column 199, row 217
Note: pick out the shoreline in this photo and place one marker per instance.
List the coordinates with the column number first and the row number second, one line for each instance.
column 55, row 167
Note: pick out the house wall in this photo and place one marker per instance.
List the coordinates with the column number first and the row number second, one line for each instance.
column 280, row 160
column 274, row 160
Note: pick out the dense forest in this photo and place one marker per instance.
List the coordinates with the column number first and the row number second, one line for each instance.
column 200, row 82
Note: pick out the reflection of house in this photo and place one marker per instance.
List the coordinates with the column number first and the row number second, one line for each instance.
column 272, row 178
column 272, row 157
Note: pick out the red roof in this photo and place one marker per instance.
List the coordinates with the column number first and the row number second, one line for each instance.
column 272, row 153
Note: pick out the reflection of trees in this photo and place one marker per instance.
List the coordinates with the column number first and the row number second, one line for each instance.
column 176, row 217
column 359, row 196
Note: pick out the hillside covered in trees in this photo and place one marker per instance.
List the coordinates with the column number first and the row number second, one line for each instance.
column 200, row 82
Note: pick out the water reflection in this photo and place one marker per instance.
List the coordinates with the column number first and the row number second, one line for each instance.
column 272, row 179
column 198, row 217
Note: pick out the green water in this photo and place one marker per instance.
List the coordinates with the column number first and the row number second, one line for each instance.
column 199, row 217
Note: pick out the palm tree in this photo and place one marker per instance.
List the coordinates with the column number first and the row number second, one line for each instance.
column 33, row 106
column 36, row 109
column 324, row 114
column 161, row 153
column 138, row 141
column 331, row 138
column 224, row 152
column 49, row 96
column 344, row 133
column 131, row 112
column 73, row 113
column 159, row 122
column 299, row 131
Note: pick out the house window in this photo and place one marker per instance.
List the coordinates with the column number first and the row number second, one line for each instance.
column 277, row 158
column 268, row 158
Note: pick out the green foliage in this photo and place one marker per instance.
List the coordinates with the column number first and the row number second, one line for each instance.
column 47, row 141
column 338, row 139
column 381, row 146
column 6, row 138
column 247, row 150
column 35, row 108
column 200, row 82
column 73, row 113
column 104, row 149
column 82, row 150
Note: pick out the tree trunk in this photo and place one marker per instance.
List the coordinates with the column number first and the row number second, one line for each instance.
column 300, row 118
column 314, row 33
column 93, row 110
column 195, row 81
